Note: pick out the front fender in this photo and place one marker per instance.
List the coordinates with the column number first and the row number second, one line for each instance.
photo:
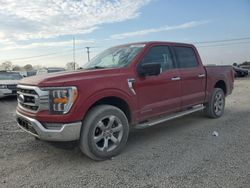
column 84, row 105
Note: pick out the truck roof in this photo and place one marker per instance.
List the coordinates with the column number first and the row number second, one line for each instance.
column 156, row 42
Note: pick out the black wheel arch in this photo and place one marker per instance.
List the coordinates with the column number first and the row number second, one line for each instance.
column 222, row 85
column 117, row 102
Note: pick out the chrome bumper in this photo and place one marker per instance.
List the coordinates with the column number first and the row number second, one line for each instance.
column 67, row 132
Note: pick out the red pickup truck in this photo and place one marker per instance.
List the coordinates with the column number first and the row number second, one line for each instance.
column 129, row 86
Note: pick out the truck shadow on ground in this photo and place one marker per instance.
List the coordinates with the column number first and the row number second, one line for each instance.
column 137, row 137
column 8, row 99
column 171, row 132
column 64, row 145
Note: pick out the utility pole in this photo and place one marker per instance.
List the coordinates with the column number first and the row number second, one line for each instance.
column 74, row 47
column 88, row 53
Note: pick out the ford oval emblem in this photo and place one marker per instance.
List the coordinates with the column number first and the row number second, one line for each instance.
column 21, row 98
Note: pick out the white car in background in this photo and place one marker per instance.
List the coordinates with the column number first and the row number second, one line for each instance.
column 8, row 83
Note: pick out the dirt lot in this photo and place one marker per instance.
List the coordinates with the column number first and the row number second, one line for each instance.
column 179, row 153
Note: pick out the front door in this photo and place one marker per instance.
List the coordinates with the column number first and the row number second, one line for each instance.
column 159, row 94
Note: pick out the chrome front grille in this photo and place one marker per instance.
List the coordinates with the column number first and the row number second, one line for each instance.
column 27, row 91
column 31, row 98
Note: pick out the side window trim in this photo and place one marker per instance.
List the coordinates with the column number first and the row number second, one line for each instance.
column 172, row 51
column 173, row 58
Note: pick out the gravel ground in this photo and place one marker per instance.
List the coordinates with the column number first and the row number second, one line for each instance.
column 179, row 153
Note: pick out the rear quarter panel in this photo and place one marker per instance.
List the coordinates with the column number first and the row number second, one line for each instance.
column 216, row 74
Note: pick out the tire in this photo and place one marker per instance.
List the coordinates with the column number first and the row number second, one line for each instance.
column 104, row 132
column 215, row 107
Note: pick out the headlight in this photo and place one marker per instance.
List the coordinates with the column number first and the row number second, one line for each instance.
column 62, row 99
column 3, row 86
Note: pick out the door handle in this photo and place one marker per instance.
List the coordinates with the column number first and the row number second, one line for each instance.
column 201, row 75
column 176, row 78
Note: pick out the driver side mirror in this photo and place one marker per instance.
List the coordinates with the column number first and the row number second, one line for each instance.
column 149, row 69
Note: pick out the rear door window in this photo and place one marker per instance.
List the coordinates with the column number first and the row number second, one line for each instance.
column 186, row 57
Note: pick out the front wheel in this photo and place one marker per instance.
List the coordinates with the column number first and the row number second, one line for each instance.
column 104, row 132
column 215, row 107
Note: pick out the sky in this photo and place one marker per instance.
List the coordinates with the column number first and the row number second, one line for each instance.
column 41, row 32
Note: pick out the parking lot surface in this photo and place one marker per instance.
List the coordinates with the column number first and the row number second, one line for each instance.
column 178, row 153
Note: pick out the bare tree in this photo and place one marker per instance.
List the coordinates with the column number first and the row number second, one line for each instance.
column 71, row 66
column 6, row 65
column 16, row 68
column 246, row 63
column 28, row 67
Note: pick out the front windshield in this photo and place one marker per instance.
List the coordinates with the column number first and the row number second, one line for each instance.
column 10, row 76
column 115, row 57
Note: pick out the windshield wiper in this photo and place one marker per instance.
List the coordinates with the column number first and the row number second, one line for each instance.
column 96, row 67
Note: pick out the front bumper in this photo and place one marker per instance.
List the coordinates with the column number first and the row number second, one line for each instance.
column 67, row 132
column 7, row 92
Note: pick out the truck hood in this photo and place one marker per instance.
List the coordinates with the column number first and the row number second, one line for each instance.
column 9, row 82
column 66, row 77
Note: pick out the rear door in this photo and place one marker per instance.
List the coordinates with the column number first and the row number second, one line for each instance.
column 193, row 76
column 158, row 94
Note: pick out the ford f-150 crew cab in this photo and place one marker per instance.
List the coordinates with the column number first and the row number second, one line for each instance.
column 129, row 86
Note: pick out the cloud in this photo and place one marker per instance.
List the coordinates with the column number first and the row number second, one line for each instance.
column 25, row 19
column 2, row 35
column 186, row 25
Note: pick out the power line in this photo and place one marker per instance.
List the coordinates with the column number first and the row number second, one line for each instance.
column 29, row 58
column 70, row 51
column 45, row 55
column 42, row 55
column 244, row 42
column 76, row 49
column 225, row 40
column 54, row 55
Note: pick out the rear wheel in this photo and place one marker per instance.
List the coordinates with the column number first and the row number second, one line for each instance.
column 104, row 132
column 215, row 107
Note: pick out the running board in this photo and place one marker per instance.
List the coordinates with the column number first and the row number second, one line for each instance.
column 172, row 116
